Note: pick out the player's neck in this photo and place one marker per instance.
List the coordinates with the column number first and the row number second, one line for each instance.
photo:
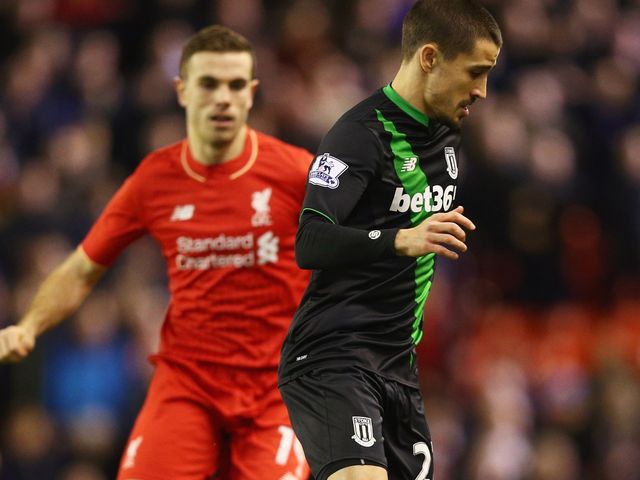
column 215, row 153
column 408, row 83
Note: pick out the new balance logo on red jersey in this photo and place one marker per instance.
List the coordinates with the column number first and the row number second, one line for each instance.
column 182, row 213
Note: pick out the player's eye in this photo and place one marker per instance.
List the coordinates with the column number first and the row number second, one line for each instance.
column 209, row 83
column 237, row 84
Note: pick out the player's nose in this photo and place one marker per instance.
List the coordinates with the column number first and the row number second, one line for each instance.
column 480, row 90
column 222, row 95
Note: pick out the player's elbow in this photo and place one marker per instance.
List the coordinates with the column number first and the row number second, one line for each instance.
column 305, row 263
column 304, row 249
column 313, row 242
column 303, row 259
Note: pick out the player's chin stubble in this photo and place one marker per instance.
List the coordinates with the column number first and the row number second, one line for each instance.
column 450, row 122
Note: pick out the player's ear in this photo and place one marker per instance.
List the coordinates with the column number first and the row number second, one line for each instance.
column 179, row 85
column 427, row 56
column 253, row 85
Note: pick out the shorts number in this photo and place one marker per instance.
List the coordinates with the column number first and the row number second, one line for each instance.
column 422, row 448
column 289, row 442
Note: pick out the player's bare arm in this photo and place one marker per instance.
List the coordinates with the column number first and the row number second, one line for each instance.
column 59, row 296
column 437, row 234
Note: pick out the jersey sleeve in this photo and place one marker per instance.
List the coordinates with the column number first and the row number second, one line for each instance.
column 348, row 158
column 321, row 245
column 119, row 225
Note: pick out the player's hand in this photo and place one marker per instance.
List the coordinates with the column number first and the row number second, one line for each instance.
column 16, row 342
column 437, row 234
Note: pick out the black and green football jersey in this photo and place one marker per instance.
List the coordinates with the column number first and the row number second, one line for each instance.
column 384, row 165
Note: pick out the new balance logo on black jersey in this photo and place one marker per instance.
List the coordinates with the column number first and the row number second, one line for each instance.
column 433, row 199
column 409, row 164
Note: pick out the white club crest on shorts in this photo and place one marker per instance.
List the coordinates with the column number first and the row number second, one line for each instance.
column 452, row 164
column 363, row 431
column 326, row 170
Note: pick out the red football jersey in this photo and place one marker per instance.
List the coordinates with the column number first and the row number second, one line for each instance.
column 227, row 234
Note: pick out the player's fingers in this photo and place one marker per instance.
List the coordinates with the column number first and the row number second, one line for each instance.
column 7, row 349
column 458, row 209
column 15, row 344
column 455, row 216
column 25, row 343
column 21, row 349
column 28, row 340
column 446, row 239
column 463, row 221
column 11, row 358
column 445, row 252
column 452, row 228
column 6, row 341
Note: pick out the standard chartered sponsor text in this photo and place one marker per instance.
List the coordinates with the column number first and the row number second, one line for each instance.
column 244, row 255
column 184, row 262
column 221, row 242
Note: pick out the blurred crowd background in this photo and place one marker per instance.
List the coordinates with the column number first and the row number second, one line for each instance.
column 531, row 358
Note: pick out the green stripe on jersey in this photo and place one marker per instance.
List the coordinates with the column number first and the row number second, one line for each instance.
column 414, row 182
column 307, row 209
column 405, row 106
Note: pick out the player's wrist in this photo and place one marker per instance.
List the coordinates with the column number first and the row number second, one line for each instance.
column 400, row 242
column 28, row 326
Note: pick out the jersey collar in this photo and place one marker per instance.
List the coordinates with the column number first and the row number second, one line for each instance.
column 233, row 169
column 405, row 106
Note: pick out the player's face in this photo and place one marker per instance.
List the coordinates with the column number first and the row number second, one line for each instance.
column 217, row 92
column 453, row 85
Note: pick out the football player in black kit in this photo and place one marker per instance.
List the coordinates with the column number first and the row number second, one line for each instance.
column 380, row 205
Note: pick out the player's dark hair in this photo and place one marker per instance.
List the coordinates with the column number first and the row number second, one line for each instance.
column 454, row 25
column 216, row 38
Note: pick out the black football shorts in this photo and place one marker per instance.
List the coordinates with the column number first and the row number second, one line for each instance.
column 351, row 416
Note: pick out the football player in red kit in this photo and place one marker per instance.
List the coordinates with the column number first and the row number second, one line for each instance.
column 223, row 205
